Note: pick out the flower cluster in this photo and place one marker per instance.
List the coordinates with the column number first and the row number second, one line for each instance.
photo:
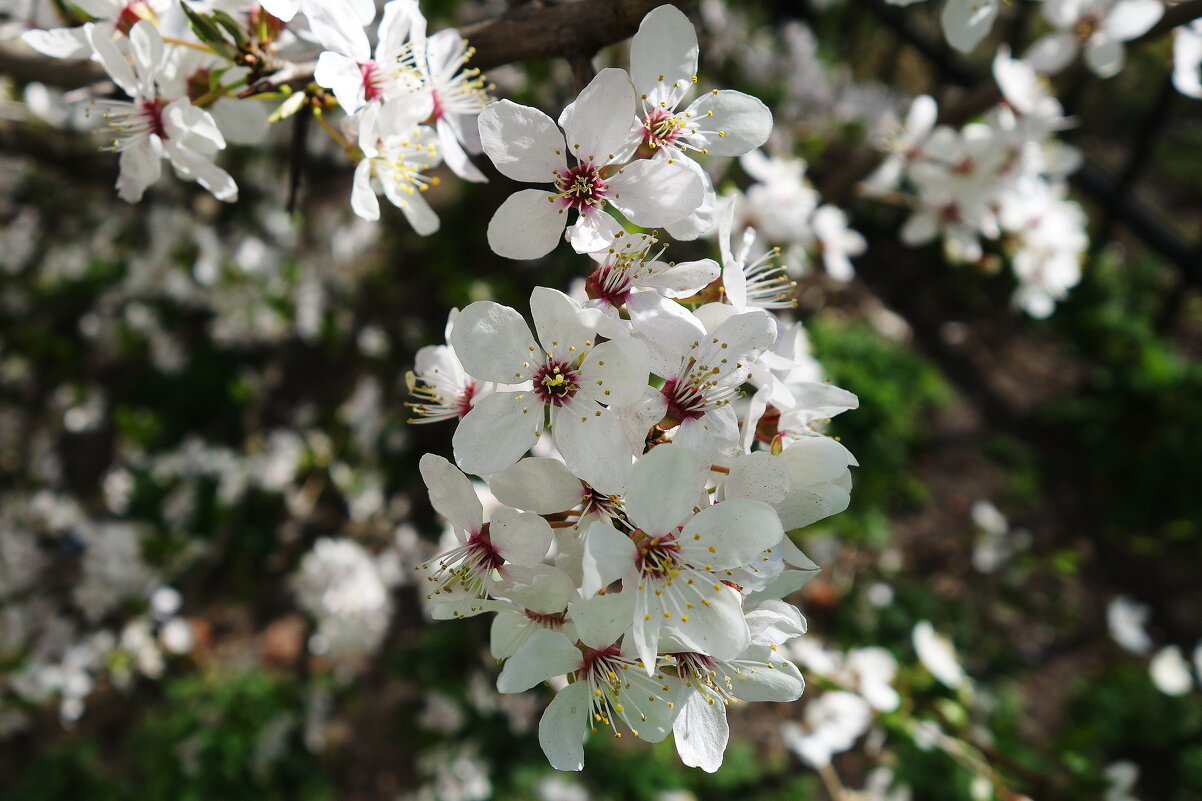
column 639, row 557
column 626, row 143
column 1094, row 29
column 1000, row 178
column 198, row 80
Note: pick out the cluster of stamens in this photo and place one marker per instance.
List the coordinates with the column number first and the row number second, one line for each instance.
column 556, row 382
column 580, row 188
column 466, row 568
column 768, row 285
column 466, row 93
column 661, row 127
column 607, row 673
column 548, row 620
column 607, row 507
column 657, row 556
column 697, row 671
column 694, row 392
column 439, row 401
column 131, row 123
column 401, row 165
column 617, row 276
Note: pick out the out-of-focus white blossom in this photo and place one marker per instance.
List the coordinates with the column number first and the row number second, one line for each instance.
column 339, row 584
column 938, row 655
column 1170, row 671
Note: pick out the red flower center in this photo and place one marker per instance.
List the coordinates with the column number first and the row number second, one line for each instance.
column 556, row 382
column 581, row 188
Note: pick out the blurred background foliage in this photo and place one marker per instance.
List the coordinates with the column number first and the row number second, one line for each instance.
column 1084, row 429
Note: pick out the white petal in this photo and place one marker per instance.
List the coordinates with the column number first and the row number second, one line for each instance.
column 823, row 400
column 755, row 681
column 101, row 39
column 593, row 445
column 662, row 53
column 807, row 505
column 455, row 156
column 401, row 20
column 524, row 143
column 146, row 44
column 1052, row 52
column 521, row 537
column 565, row 328
column 1104, row 57
column 343, row 76
column 775, row 623
column 508, row 632
column 739, row 341
column 284, row 10
column 701, row 732
column 602, row 619
column 921, row 118
column 337, row 31
column 1131, row 18
column 593, row 231
column 685, row 278
column 140, row 167
column 730, row 534
column 811, row 460
column 664, row 486
column 562, row 727
column 744, row 122
column 650, row 709
column 608, row 555
column 1187, row 60
column 526, row 226
column 667, row 328
column 1063, row 13
column 451, row 493
column 59, row 42
column 416, row 210
column 700, row 220
column 597, row 123
column 545, row 654
column 537, row 485
column 784, row 585
column 191, row 165
column 920, row 228
column 656, row 192
column 967, row 22
column 540, row 588
column 643, row 638
column 493, row 342
column 192, row 127
column 716, row 627
column 363, row 198
column 616, row 372
column 758, row 476
column 497, row 432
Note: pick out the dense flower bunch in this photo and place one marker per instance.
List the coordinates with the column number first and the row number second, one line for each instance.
column 197, row 78
column 639, row 558
column 1092, row 29
column 1000, row 178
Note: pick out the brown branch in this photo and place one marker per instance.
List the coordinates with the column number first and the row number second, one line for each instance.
column 23, row 64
